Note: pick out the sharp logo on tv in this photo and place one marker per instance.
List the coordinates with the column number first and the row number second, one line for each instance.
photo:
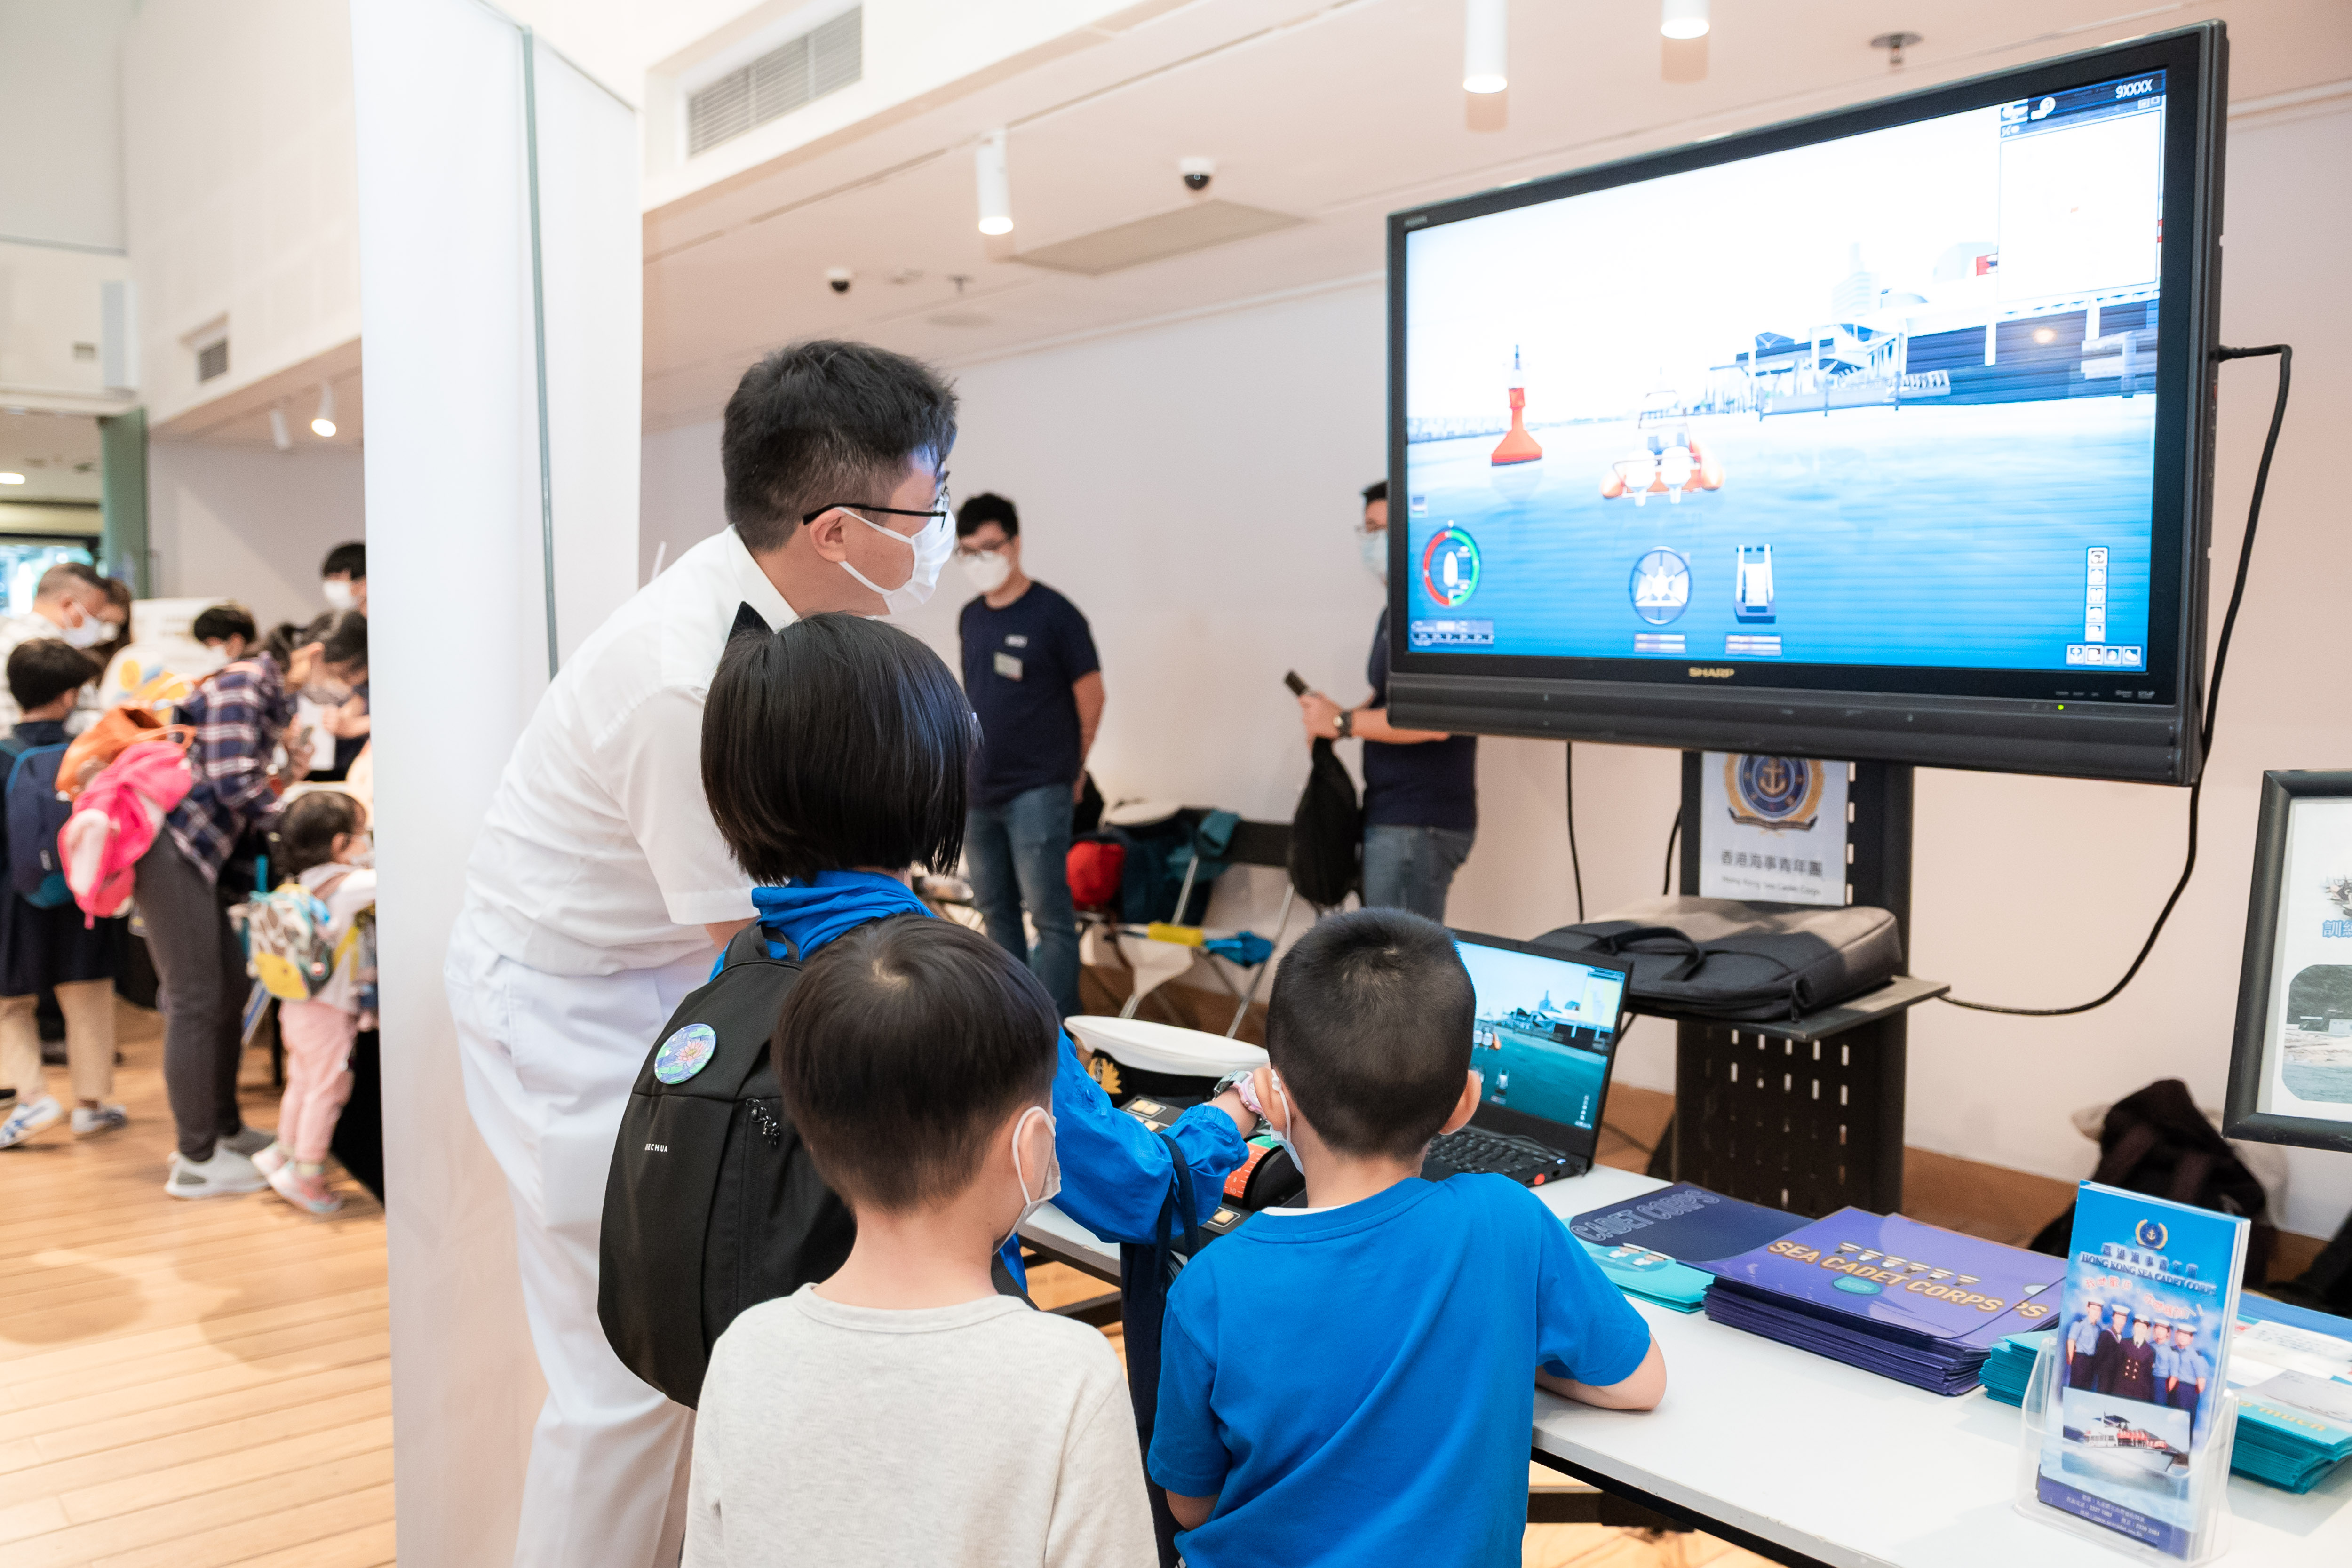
column 1712, row 672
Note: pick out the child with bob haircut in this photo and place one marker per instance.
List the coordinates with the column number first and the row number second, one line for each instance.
column 1388, row 1422
column 917, row 1060
column 837, row 754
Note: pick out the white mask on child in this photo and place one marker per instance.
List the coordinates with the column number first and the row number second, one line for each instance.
column 1049, row 1186
column 1281, row 1135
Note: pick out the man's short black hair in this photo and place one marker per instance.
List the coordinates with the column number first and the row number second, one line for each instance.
column 1370, row 1027
column 827, row 424
column 341, row 637
column 45, row 669
column 902, row 1048
column 985, row 508
column 225, row 620
column 1377, row 491
column 348, row 558
column 835, row 743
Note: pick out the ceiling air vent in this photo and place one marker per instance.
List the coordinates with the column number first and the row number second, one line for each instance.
column 212, row 360
column 791, row 77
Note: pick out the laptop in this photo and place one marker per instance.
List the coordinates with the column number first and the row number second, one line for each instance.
column 1544, row 1039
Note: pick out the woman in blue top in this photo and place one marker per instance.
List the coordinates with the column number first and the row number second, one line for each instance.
column 836, row 753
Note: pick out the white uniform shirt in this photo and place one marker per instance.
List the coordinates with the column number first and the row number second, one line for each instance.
column 599, row 853
column 16, row 631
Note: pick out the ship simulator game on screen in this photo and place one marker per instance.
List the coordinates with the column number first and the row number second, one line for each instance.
column 1543, row 1031
column 1887, row 400
column 1884, row 435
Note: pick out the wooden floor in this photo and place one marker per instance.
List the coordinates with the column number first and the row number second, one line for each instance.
column 186, row 1384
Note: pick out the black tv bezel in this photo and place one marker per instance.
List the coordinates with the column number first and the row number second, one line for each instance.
column 2050, row 721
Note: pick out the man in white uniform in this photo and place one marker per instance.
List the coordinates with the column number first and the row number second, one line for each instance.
column 600, row 885
column 70, row 604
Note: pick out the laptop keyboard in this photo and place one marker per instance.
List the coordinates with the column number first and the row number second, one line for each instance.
column 1474, row 1150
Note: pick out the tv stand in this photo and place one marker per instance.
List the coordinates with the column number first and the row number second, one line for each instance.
column 1804, row 1114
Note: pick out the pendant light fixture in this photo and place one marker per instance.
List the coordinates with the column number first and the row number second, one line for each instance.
column 1683, row 19
column 323, row 424
column 278, row 437
column 995, row 186
column 1485, row 46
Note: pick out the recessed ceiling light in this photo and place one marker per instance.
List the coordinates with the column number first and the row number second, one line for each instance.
column 12, row 478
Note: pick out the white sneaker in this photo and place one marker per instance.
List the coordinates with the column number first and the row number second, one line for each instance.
column 249, row 1140
column 105, row 1119
column 28, row 1117
column 226, row 1172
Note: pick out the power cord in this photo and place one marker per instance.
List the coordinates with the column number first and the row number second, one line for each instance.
column 2285, row 353
column 1575, row 864
column 1666, row 883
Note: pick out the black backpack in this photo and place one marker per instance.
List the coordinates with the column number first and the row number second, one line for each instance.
column 1326, row 833
column 2156, row 1141
column 713, row 1204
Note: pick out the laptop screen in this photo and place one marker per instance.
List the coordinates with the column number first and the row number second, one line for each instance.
column 1544, row 1033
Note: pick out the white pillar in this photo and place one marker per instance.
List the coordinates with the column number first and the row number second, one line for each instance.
column 458, row 591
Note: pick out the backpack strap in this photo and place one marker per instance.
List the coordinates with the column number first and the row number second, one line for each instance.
column 750, row 943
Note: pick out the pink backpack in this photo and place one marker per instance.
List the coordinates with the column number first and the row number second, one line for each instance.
column 114, row 823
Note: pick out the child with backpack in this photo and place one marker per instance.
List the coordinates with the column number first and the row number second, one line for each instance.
column 44, row 941
column 305, row 938
column 917, row 1060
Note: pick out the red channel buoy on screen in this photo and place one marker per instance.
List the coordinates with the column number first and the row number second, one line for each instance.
column 1517, row 445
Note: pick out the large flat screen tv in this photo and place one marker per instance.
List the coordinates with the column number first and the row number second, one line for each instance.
column 1884, row 433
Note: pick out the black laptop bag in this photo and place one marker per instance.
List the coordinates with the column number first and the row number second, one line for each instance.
column 1723, row 958
column 713, row 1204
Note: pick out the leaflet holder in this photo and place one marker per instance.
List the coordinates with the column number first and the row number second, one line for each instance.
column 2208, row 1475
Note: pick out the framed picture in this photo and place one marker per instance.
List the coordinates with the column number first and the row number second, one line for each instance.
column 2290, row 1060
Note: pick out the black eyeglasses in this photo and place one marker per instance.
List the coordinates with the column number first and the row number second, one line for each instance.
column 940, row 507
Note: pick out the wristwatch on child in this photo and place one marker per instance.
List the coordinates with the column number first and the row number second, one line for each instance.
column 1245, row 1084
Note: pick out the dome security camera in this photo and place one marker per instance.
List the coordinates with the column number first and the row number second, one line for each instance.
column 1197, row 172
column 837, row 279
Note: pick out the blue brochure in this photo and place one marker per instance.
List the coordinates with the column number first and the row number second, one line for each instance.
column 1652, row 1276
column 2150, row 1304
column 1902, row 1282
column 1686, row 1223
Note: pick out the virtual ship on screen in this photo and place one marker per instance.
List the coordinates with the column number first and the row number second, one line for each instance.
column 1887, row 400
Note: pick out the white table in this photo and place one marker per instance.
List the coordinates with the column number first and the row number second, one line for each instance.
column 1804, row 1459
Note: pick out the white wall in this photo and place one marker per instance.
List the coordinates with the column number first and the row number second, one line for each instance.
column 61, row 120
column 250, row 524
column 1190, row 487
column 239, row 195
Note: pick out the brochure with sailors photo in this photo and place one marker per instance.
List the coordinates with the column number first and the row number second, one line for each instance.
column 2148, row 1318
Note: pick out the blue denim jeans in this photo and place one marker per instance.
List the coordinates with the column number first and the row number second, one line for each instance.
column 1018, row 854
column 1413, row 868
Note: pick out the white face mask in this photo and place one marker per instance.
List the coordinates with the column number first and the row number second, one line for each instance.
column 215, row 655
column 89, row 633
column 1049, row 1186
column 931, row 549
column 988, row 569
column 1374, row 548
column 1281, row 1135
column 340, row 594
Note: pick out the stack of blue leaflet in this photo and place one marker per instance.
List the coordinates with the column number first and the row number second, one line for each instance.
column 1910, row 1302
column 1650, row 1275
column 1685, row 1223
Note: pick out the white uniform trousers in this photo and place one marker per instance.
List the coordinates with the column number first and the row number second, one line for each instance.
column 548, row 1061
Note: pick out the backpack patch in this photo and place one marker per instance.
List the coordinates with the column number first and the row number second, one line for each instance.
column 686, row 1052
column 286, row 942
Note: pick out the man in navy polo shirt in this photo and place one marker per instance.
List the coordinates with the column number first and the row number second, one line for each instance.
column 1030, row 669
column 1421, row 786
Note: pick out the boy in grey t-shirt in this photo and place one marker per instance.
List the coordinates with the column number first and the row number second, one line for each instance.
column 903, row 1411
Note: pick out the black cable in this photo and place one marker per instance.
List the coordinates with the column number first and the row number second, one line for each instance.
column 2212, row 698
column 1666, row 885
column 1574, row 863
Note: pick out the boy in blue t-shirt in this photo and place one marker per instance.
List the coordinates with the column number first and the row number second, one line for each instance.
column 1354, row 1382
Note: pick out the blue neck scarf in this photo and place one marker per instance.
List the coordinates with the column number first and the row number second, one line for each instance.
column 811, row 914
